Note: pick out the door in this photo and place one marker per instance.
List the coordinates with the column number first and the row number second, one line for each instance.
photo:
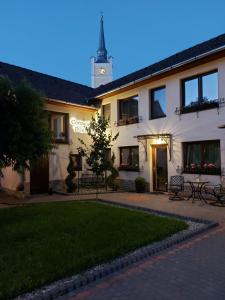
column 39, row 176
column 159, row 163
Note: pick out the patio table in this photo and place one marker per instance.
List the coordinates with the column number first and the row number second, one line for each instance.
column 196, row 190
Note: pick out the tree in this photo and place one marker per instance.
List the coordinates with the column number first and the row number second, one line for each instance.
column 24, row 130
column 101, row 141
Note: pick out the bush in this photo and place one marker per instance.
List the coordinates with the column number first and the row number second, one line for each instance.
column 70, row 179
column 140, row 183
column 111, row 179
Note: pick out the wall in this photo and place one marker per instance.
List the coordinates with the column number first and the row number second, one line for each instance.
column 59, row 159
column 187, row 127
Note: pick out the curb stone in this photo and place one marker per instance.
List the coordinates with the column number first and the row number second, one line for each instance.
column 74, row 283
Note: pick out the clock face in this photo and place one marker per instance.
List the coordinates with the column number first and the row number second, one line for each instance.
column 102, row 71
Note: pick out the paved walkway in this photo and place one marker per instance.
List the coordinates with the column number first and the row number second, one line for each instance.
column 193, row 270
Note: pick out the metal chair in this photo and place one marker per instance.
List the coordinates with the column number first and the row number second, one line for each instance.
column 176, row 186
column 218, row 191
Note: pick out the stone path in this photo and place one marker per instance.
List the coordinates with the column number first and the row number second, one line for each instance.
column 192, row 270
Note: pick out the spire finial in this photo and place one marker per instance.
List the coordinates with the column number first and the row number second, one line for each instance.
column 101, row 52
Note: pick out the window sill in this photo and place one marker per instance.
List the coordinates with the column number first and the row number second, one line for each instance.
column 199, row 107
column 130, row 121
column 203, row 172
column 60, row 142
column 155, row 118
column 129, row 169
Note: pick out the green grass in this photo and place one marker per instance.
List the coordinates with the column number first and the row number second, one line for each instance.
column 44, row 242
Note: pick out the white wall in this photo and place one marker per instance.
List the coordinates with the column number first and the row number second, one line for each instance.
column 59, row 159
column 187, row 127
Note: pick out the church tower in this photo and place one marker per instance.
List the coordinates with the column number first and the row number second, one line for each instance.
column 101, row 66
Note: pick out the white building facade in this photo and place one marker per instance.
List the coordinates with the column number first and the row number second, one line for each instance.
column 168, row 123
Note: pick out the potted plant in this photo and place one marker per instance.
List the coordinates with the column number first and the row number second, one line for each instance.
column 140, row 184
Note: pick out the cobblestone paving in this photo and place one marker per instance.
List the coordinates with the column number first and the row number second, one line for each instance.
column 192, row 270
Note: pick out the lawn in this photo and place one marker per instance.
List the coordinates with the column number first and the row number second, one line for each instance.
column 41, row 243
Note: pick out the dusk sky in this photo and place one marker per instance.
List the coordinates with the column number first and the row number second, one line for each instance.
column 58, row 37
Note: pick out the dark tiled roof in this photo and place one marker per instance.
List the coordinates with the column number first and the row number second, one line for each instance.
column 177, row 58
column 51, row 87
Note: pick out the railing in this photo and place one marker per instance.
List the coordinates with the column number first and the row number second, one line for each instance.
column 206, row 171
column 127, row 121
column 200, row 105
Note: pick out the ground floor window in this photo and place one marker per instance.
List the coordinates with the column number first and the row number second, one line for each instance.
column 129, row 158
column 202, row 157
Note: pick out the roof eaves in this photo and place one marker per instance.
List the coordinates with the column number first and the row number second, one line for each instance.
column 162, row 71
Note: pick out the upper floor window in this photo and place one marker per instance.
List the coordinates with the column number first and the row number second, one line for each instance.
column 106, row 111
column 129, row 158
column 202, row 157
column 158, row 103
column 200, row 91
column 59, row 127
column 128, row 110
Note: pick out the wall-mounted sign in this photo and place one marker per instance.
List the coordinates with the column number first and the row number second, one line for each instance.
column 79, row 126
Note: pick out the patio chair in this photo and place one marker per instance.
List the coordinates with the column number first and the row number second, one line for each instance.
column 218, row 191
column 176, row 186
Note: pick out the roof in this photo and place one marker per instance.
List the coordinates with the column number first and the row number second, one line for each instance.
column 51, row 87
column 175, row 59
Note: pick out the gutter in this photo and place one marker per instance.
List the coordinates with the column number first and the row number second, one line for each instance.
column 71, row 104
column 165, row 70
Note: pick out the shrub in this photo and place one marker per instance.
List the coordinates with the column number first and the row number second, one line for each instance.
column 70, row 179
column 140, row 183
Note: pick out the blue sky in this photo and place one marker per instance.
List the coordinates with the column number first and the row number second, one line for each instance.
column 58, row 37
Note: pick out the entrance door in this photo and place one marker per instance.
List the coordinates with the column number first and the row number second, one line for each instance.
column 39, row 176
column 159, row 163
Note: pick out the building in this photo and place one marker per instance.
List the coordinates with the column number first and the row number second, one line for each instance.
column 101, row 66
column 69, row 112
column 167, row 115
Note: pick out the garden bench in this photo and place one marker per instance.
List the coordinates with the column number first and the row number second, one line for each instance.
column 89, row 180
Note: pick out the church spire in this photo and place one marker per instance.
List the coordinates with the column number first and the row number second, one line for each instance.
column 101, row 52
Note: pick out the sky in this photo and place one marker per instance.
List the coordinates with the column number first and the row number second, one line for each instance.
column 58, row 37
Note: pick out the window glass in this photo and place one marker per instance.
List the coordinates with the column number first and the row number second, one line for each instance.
column 59, row 126
column 210, row 87
column 191, row 91
column 202, row 88
column 134, row 157
column 158, row 103
column 202, row 157
column 128, row 110
column 125, row 157
column 106, row 111
column 129, row 158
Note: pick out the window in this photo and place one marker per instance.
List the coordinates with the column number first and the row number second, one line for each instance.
column 106, row 111
column 202, row 157
column 128, row 111
column 158, row 103
column 129, row 158
column 59, row 127
column 200, row 92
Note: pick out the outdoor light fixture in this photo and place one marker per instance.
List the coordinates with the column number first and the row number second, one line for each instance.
column 160, row 141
